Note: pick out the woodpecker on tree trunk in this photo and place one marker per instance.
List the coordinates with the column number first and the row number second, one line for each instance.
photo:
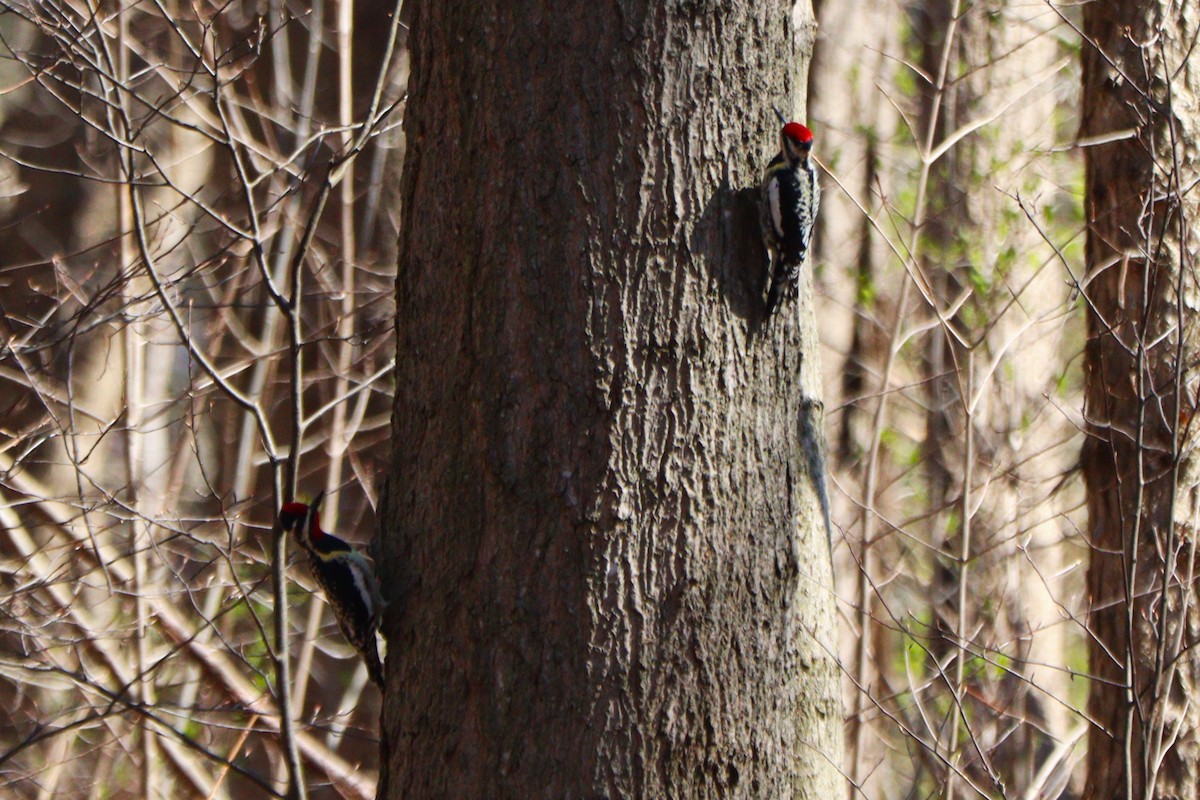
column 790, row 197
column 346, row 576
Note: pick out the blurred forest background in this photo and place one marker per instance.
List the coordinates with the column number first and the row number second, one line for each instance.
column 161, row 391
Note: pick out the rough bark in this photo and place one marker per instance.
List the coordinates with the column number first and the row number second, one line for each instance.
column 1139, row 93
column 607, row 560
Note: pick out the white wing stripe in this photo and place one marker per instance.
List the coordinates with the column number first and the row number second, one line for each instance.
column 361, row 584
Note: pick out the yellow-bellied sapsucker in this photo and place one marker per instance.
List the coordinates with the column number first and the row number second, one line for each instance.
column 790, row 197
column 346, row 576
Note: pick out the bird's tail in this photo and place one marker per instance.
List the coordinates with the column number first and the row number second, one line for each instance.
column 775, row 293
column 786, row 276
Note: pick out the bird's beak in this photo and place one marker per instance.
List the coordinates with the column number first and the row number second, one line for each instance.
column 782, row 119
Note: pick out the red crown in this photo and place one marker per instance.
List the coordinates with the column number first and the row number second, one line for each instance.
column 797, row 132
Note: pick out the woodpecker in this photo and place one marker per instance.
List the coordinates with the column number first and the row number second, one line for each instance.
column 347, row 577
column 790, row 196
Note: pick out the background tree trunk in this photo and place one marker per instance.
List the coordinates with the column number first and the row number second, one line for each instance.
column 1139, row 89
column 987, row 434
column 953, row 599
column 607, row 555
column 855, row 131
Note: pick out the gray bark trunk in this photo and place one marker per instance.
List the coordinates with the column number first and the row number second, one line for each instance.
column 606, row 559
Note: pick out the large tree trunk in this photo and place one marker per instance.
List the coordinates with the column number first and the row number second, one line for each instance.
column 1140, row 83
column 606, row 559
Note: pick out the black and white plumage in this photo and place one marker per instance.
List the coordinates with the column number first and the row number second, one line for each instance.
column 346, row 576
column 791, row 195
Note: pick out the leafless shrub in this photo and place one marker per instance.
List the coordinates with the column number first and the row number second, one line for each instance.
column 197, row 272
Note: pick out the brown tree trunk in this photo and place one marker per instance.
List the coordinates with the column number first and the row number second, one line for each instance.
column 1139, row 90
column 606, row 560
